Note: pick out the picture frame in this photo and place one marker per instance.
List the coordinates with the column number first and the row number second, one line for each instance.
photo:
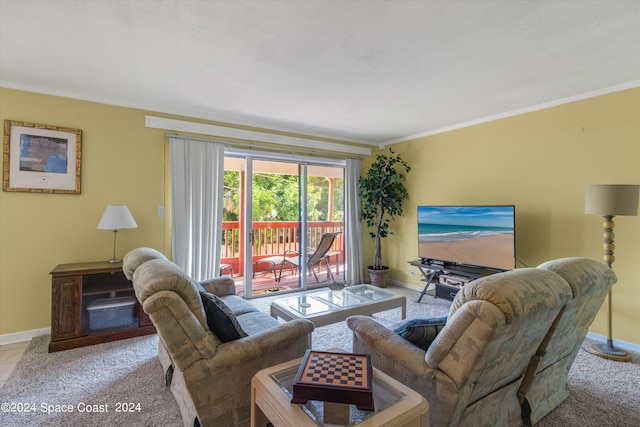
column 41, row 158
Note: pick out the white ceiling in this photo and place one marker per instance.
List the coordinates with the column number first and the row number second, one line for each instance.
column 362, row 71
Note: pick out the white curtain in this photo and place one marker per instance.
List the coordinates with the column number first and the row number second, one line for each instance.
column 353, row 226
column 197, row 176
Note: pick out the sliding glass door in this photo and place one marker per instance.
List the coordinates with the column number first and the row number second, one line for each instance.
column 276, row 210
column 275, row 225
column 324, row 215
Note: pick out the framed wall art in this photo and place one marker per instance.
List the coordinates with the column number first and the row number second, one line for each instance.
column 41, row 158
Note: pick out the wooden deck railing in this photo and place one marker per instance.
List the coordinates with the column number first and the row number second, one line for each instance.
column 271, row 238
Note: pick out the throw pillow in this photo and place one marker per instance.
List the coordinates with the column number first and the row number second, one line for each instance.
column 220, row 319
column 421, row 332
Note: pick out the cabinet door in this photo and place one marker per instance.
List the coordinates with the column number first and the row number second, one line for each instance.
column 66, row 306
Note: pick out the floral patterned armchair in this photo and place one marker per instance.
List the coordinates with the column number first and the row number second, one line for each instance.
column 471, row 372
column 546, row 382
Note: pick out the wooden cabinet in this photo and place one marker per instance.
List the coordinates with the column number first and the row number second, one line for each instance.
column 76, row 289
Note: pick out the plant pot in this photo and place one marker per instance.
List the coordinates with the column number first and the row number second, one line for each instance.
column 378, row 277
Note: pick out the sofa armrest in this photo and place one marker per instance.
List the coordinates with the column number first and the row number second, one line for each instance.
column 220, row 286
column 186, row 339
column 272, row 340
column 388, row 345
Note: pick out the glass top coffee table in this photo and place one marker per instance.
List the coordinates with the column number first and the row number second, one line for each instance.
column 271, row 391
column 325, row 307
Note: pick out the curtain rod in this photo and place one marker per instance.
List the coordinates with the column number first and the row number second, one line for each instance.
column 262, row 147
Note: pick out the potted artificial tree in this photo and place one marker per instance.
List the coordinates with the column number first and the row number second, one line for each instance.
column 382, row 192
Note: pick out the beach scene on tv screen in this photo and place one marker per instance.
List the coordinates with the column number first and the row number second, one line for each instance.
column 473, row 235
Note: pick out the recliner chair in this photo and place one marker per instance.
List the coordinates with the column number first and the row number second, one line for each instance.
column 471, row 372
column 210, row 379
column 546, row 382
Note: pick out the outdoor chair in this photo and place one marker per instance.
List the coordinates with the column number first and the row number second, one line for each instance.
column 313, row 259
column 271, row 264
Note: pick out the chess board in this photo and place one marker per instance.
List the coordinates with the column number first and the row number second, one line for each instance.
column 334, row 377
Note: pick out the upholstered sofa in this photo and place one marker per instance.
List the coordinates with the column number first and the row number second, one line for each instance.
column 546, row 382
column 209, row 376
column 471, row 372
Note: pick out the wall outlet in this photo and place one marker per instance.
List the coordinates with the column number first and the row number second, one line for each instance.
column 161, row 211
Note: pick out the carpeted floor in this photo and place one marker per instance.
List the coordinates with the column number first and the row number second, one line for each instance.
column 126, row 375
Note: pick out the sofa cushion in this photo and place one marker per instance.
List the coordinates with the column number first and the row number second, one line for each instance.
column 238, row 305
column 421, row 332
column 256, row 322
column 220, row 319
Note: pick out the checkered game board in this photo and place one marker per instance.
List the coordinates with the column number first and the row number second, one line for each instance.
column 334, row 377
column 336, row 369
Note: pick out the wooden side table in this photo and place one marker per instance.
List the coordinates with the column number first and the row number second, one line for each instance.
column 396, row 404
column 74, row 287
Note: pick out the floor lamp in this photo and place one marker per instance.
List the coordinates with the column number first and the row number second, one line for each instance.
column 116, row 217
column 609, row 201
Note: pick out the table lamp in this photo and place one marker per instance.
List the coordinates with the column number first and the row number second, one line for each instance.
column 116, row 217
column 609, row 201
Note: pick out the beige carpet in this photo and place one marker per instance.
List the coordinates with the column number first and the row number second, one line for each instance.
column 603, row 393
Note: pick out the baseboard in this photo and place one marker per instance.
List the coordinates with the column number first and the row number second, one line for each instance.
column 28, row 335
column 623, row 345
column 23, row 336
column 417, row 287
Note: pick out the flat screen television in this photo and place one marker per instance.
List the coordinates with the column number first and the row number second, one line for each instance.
column 477, row 236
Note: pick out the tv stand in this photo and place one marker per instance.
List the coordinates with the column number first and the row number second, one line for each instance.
column 432, row 270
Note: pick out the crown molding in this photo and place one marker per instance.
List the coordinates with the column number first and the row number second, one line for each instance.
column 592, row 94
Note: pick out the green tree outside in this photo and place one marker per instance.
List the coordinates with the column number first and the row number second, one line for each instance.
column 275, row 197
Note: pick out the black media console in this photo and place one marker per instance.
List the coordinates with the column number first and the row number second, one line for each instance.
column 431, row 272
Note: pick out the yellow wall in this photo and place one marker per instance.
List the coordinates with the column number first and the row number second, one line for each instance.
column 539, row 161
column 122, row 162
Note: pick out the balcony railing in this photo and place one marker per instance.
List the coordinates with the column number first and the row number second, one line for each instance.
column 272, row 238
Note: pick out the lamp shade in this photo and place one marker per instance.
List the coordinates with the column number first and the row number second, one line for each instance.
column 612, row 199
column 116, row 217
